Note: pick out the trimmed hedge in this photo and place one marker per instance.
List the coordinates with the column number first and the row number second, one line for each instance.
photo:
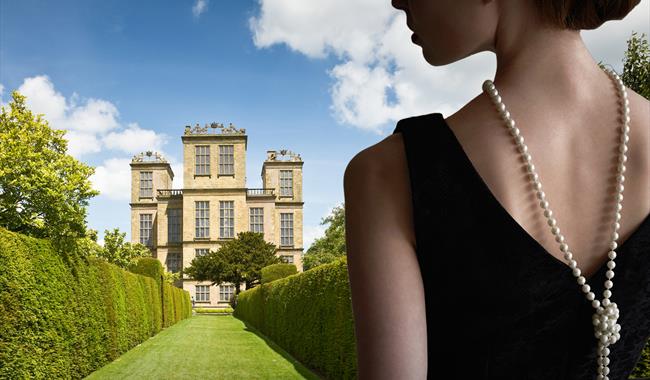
column 308, row 315
column 277, row 271
column 176, row 302
column 225, row 310
column 63, row 319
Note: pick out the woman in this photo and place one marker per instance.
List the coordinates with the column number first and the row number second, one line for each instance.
column 457, row 266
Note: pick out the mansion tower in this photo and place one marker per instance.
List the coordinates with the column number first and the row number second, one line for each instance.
column 215, row 204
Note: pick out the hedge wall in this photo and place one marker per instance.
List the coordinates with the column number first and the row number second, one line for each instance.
column 66, row 319
column 176, row 303
column 309, row 315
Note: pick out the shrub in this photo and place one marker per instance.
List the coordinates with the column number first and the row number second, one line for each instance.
column 277, row 271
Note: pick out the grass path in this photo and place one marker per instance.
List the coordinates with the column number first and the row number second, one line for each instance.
column 205, row 347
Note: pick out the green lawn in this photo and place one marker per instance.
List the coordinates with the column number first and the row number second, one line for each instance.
column 206, row 347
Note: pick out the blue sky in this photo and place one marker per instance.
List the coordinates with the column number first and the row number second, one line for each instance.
column 322, row 81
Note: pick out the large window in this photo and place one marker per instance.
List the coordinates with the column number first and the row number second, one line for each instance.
column 226, row 159
column 288, row 259
column 286, row 183
column 257, row 219
column 286, row 229
column 201, row 251
column 146, row 184
column 174, row 225
column 202, row 223
column 146, row 222
column 174, row 260
column 226, row 219
column 226, row 292
column 202, row 155
column 202, row 293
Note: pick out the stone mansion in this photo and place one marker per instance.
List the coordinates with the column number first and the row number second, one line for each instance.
column 215, row 204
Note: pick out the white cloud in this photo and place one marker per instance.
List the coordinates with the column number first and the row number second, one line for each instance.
column 113, row 178
column 381, row 76
column 91, row 124
column 134, row 140
column 177, row 168
column 199, row 7
column 311, row 233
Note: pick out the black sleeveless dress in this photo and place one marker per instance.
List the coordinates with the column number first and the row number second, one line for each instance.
column 498, row 305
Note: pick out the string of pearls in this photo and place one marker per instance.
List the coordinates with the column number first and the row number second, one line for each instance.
column 606, row 328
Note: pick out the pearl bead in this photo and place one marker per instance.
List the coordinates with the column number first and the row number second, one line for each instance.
column 606, row 328
column 625, row 139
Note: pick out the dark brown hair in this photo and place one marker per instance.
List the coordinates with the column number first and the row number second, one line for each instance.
column 583, row 14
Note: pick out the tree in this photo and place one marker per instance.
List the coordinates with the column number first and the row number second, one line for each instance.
column 121, row 253
column 44, row 192
column 236, row 261
column 331, row 246
column 636, row 65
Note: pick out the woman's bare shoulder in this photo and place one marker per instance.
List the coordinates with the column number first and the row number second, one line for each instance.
column 385, row 160
column 379, row 176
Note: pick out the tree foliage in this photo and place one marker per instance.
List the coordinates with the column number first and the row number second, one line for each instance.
column 119, row 252
column 636, row 65
column 236, row 261
column 44, row 192
column 331, row 246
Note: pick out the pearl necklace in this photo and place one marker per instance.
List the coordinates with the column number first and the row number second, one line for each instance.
column 606, row 328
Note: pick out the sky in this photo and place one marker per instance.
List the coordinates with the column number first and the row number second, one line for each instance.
column 323, row 79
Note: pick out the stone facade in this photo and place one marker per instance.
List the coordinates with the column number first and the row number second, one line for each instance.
column 214, row 180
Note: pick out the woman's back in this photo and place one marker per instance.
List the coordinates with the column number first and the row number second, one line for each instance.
column 498, row 304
